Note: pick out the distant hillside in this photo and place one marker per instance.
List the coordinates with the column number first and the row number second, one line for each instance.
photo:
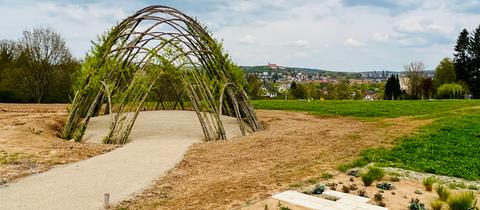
column 281, row 69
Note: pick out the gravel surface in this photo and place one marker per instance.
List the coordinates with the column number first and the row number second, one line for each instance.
column 159, row 141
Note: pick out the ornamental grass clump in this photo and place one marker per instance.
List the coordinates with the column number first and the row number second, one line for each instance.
column 465, row 200
column 436, row 204
column 442, row 192
column 373, row 173
column 428, row 182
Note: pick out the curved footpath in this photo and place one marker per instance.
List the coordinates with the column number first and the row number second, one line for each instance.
column 159, row 141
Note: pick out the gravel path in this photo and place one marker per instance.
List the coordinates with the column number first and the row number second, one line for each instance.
column 160, row 139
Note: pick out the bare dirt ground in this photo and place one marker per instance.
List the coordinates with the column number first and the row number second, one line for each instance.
column 28, row 141
column 293, row 151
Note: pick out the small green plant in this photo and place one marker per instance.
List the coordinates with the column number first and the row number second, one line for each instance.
column 385, row 186
column 462, row 185
column 428, row 182
column 376, row 172
column 319, row 189
column 442, row 192
column 436, row 204
column 416, row 205
column 367, row 179
column 326, row 175
column 462, row 201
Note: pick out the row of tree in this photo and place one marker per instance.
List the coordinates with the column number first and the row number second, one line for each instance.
column 37, row 68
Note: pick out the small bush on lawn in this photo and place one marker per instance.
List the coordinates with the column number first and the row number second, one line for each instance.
column 367, row 179
column 416, row 205
column 442, row 192
column 462, row 201
column 428, row 182
column 436, row 204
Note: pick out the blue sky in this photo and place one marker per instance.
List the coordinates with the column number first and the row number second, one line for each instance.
column 344, row 35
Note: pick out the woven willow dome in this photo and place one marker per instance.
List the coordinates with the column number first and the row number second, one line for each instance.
column 158, row 59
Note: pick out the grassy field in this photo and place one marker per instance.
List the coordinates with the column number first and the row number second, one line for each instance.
column 386, row 109
column 449, row 146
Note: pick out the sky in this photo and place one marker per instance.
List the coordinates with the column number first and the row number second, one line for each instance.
column 339, row 35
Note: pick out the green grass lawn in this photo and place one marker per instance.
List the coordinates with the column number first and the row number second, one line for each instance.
column 380, row 109
column 449, row 146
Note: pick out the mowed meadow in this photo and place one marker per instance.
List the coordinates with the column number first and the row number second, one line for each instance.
column 449, row 146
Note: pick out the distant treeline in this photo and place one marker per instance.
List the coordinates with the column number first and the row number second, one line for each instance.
column 37, row 68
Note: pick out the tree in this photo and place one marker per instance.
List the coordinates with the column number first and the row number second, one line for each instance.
column 450, row 91
column 414, row 72
column 392, row 88
column 253, row 86
column 45, row 65
column 298, row 91
column 8, row 54
column 445, row 72
column 461, row 58
column 473, row 70
column 427, row 88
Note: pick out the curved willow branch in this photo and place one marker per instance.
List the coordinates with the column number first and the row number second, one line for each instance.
column 128, row 63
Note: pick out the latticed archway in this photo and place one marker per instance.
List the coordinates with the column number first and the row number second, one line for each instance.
column 158, row 58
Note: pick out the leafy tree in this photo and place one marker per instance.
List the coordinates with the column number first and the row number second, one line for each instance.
column 415, row 72
column 427, row 88
column 45, row 65
column 253, row 86
column 298, row 91
column 445, row 72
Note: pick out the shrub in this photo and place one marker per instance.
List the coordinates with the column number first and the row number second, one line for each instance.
column 376, row 172
column 319, row 189
column 442, row 192
column 345, row 189
column 462, row 201
column 416, row 205
column 428, row 182
column 367, row 179
column 362, row 193
column 436, row 204
column 354, row 172
column 451, row 90
column 385, row 186
column 378, row 197
column 353, row 187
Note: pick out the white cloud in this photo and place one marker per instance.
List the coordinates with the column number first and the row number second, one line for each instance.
column 302, row 43
column 308, row 33
column 247, row 39
column 381, row 37
column 351, row 42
